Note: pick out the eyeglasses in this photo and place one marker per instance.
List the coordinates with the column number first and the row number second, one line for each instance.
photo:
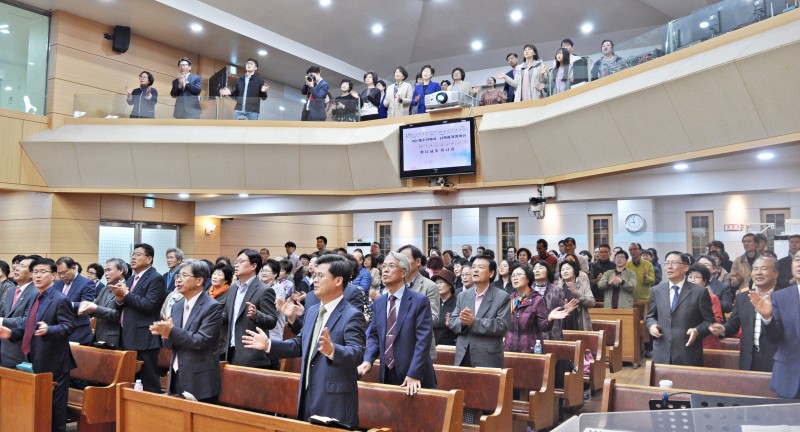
column 672, row 263
column 182, row 276
column 41, row 273
column 92, row 272
column 137, row 254
column 391, row 266
column 241, row 262
column 318, row 276
column 517, row 275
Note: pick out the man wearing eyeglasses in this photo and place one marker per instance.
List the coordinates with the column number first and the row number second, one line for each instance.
column 249, row 91
column 139, row 301
column 77, row 289
column 186, row 89
column 44, row 331
column 680, row 315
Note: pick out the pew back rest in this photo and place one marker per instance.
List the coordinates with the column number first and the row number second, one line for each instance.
column 481, row 385
column 730, row 343
column 629, row 397
column 612, row 331
column 103, row 366
column 164, row 356
column 21, row 395
column 709, row 379
column 292, row 364
column 534, row 372
column 445, row 355
column 565, row 350
column 594, row 341
column 722, row 359
column 382, row 405
column 238, row 383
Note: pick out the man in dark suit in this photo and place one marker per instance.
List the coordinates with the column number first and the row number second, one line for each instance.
column 755, row 353
column 44, row 331
column 316, row 89
column 680, row 314
column 192, row 332
column 106, row 328
column 186, row 88
column 16, row 302
column 77, row 289
column 331, row 345
column 139, row 306
column 782, row 325
column 401, row 331
column 785, row 264
column 174, row 258
column 250, row 304
column 480, row 333
column 512, row 60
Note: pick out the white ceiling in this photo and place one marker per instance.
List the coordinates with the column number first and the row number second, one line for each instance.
column 338, row 38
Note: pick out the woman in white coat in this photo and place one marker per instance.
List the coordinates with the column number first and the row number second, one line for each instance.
column 398, row 95
column 531, row 82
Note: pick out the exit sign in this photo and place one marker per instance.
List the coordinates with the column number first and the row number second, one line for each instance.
column 733, row 227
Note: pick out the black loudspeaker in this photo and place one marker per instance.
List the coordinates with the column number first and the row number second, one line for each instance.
column 122, row 39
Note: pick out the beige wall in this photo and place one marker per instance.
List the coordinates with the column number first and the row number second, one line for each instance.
column 16, row 169
column 272, row 232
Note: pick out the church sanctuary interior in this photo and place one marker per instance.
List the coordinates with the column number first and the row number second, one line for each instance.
column 210, row 127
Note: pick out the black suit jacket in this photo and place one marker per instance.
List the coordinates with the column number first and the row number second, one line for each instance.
column 744, row 316
column 195, row 345
column 169, row 284
column 254, row 94
column 692, row 311
column 50, row 352
column 266, row 318
column 11, row 351
column 82, row 289
column 139, row 309
column 106, row 328
column 784, row 272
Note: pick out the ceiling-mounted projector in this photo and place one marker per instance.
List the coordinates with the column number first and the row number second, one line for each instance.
column 449, row 99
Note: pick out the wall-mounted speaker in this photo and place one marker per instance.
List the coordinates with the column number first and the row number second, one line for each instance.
column 121, row 39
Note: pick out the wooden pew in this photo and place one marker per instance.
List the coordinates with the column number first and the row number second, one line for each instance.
column 629, row 397
column 485, row 389
column 378, row 405
column 746, row 383
column 722, row 359
column 631, row 337
column 572, row 394
column 21, row 395
column 164, row 356
column 535, row 379
column 731, row 344
column 593, row 341
column 613, row 336
column 95, row 405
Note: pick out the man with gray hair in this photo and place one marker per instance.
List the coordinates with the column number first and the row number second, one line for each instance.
column 107, row 327
column 401, row 333
column 174, row 258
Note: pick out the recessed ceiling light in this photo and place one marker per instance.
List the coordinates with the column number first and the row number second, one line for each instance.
column 765, row 156
column 704, row 25
column 377, row 28
column 3, row 26
column 476, row 45
column 183, row 195
column 243, row 195
column 680, row 166
column 5, row 31
column 8, row 88
column 262, row 52
column 325, row 3
column 197, row 28
column 30, row 64
column 587, row 28
column 516, row 15
column 282, row 108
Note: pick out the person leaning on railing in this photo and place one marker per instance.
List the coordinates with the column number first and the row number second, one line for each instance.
column 144, row 98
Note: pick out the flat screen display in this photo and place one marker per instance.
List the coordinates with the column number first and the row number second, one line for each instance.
column 438, row 148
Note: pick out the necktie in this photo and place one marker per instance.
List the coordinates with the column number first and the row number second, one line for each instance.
column 30, row 326
column 16, row 297
column 675, row 297
column 186, row 312
column 66, row 289
column 133, row 287
column 391, row 321
column 312, row 349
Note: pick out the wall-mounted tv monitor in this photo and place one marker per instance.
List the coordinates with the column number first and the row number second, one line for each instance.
column 217, row 81
column 437, row 148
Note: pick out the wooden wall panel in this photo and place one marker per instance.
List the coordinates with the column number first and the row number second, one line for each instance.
column 116, row 208
column 141, row 214
column 24, row 236
column 25, row 205
column 71, row 236
column 76, row 206
column 10, row 135
column 196, row 244
column 28, row 174
column 178, row 212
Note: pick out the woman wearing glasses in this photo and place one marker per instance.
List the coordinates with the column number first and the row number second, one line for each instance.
column 398, row 95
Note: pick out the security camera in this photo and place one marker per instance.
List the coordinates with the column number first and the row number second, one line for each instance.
column 535, row 201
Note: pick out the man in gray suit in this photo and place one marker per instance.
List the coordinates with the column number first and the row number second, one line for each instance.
column 107, row 328
column 480, row 333
column 680, row 314
column 250, row 304
column 11, row 352
column 423, row 285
